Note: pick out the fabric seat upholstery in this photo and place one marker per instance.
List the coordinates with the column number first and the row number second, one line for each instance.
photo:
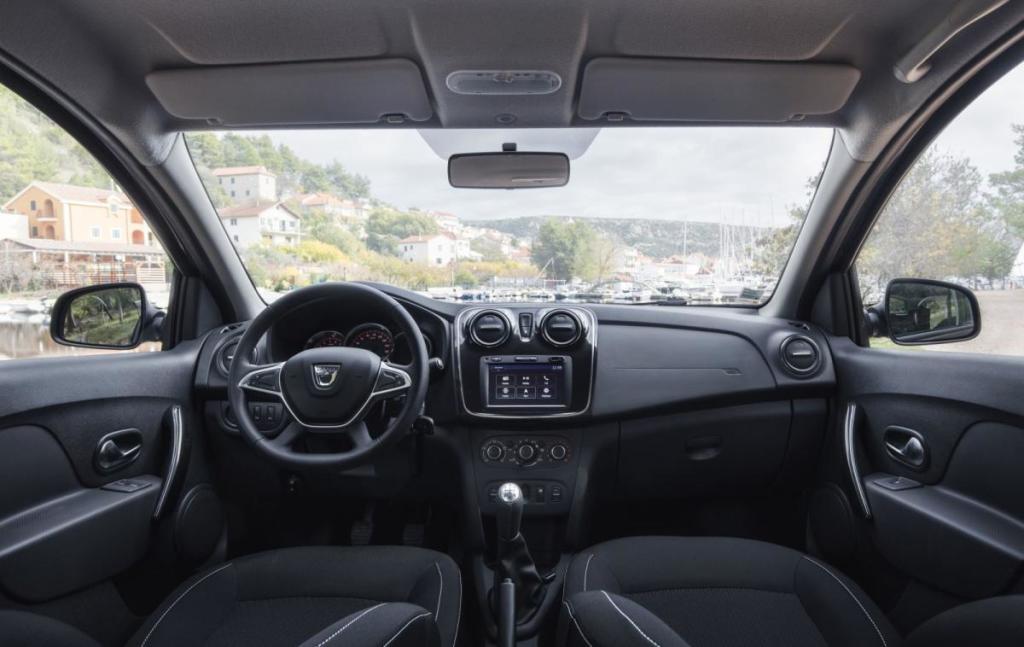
column 314, row 596
column 714, row 592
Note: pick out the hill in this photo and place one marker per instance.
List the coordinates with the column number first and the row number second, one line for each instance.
column 653, row 237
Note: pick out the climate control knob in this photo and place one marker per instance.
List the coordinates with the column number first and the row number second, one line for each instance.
column 494, row 451
column 558, row 452
column 527, row 452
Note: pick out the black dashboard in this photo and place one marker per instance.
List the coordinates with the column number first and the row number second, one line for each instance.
column 596, row 361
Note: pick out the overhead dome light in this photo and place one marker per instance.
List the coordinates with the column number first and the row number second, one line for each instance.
column 503, row 82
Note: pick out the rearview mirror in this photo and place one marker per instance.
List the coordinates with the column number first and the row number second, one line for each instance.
column 919, row 311
column 112, row 316
column 508, row 170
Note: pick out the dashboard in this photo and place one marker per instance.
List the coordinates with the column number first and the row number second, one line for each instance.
column 546, row 362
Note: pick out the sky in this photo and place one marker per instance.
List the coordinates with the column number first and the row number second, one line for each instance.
column 749, row 176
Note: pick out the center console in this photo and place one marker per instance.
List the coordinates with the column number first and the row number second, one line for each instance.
column 523, row 373
column 525, row 362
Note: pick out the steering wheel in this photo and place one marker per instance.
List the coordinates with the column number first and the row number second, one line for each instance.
column 329, row 390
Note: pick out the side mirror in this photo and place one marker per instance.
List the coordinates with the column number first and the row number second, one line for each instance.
column 920, row 311
column 114, row 315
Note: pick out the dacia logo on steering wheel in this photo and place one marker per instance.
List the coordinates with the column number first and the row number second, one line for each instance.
column 324, row 375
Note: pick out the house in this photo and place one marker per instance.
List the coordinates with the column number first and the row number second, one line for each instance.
column 332, row 205
column 72, row 264
column 261, row 221
column 13, row 225
column 80, row 214
column 447, row 221
column 247, row 183
column 437, row 250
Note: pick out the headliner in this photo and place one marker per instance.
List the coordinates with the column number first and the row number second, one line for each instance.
column 100, row 52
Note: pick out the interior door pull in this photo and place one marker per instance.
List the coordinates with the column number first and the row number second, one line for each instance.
column 906, row 446
column 118, row 449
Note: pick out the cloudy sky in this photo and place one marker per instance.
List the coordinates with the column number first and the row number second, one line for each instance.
column 736, row 175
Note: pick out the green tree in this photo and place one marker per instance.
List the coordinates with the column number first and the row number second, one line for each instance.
column 937, row 223
column 386, row 226
column 565, row 248
column 1009, row 188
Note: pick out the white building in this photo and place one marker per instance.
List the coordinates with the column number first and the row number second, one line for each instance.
column 13, row 225
column 272, row 222
column 447, row 221
column 438, row 250
column 247, row 183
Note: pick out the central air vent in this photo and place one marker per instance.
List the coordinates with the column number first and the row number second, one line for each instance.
column 800, row 356
column 561, row 328
column 489, row 329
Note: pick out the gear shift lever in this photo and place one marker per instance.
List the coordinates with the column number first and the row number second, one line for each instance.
column 515, row 564
column 510, row 511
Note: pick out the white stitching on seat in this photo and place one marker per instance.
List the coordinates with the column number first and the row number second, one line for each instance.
column 390, row 640
column 586, row 571
column 440, row 590
column 855, row 599
column 458, row 618
column 177, row 600
column 347, row 625
column 628, row 619
column 579, row 629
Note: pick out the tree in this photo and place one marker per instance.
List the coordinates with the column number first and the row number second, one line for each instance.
column 938, row 223
column 385, row 227
column 564, row 247
column 1009, row 186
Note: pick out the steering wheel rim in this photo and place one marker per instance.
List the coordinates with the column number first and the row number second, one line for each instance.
column 248, row 377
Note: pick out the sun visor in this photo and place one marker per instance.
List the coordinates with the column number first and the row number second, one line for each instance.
column 712, row 91
column 325, row 92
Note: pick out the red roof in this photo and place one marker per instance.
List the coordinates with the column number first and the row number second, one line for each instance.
column 75, row 193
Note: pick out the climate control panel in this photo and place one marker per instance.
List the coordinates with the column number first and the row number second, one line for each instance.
column 526, row 451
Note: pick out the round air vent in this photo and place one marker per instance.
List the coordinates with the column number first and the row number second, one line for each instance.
column 800, row 355
column 489, row 329
column 225, row 355
column 561, row 328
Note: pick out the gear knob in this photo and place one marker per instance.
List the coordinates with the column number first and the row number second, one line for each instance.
column 510, row 510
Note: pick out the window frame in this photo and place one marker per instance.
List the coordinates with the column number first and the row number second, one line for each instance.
column 879, row 183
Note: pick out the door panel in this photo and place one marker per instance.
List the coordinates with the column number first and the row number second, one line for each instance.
column 65, row 522
column 957, row 524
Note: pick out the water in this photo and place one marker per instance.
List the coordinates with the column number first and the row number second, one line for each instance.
column 28, row 337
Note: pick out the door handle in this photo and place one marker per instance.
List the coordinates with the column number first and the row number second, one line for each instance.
column 118, row 449
column 906, row 446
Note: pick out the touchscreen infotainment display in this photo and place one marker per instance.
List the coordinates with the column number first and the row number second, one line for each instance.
column 527, row 384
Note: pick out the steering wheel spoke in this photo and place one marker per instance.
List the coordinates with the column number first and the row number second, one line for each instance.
column 359, row 433
column 263, row 379
column 394, row 380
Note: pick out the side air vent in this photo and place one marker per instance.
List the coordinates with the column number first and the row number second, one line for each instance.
column 800, row 356
column 561, row 328
column 225, row 355
column 489, row 329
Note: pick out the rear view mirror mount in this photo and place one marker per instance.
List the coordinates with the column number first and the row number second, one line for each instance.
column 508, row 170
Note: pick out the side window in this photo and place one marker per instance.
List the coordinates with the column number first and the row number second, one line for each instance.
column 64, row 224
column 958, row 216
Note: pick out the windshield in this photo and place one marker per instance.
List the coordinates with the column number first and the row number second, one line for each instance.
column 666, row 216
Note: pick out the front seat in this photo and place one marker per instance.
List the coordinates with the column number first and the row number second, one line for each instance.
column 317, row 596
column 714, row 592
column 720, row 592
